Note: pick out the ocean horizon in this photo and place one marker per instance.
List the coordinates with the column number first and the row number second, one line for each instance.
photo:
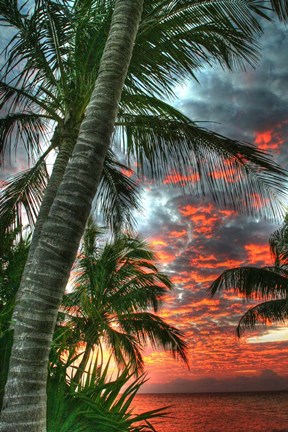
column 256, row 411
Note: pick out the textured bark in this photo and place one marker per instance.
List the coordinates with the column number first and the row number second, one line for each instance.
column 62, row 159
column 24, row 407
column 59, row 167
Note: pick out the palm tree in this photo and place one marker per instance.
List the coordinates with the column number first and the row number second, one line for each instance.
column 115, row 294
column 84, row 167
column 267, row 283
column 52, row 91
column 47, row 272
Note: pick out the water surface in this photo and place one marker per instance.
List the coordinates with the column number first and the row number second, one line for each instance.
column 219, row 412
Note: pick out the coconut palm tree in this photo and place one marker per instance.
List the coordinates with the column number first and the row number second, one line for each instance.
column 104, row 104
column 233, row 26
column 116, row 292
column 52, row 91
column 268, row 283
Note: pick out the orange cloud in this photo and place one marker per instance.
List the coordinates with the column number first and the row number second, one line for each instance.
column 165, row 257
column 202, row 278
column 190, row 210
column 209, row 262
column 161, row 246
column 212, row 262
column 230, row 263
column 204, row 218
column 268, row 140
column 258, row 254
column 157, row 242
column 180, row 279
column 177, row 234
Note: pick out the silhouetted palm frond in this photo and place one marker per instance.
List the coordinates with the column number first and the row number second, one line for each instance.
column 25, row 190
column 268, row 283
column 253, row 282
column 269, row 312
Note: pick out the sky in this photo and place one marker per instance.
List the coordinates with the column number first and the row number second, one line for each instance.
column 196, row 241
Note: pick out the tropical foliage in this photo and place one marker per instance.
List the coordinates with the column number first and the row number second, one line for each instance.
column 102, row 403
column 13, row 254
column 56, row 49
column 266, row 283
column 113, row 299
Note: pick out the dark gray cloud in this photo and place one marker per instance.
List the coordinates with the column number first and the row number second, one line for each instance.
column 244, row 102
column 267, row 380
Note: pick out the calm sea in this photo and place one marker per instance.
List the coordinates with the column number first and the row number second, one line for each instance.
column 219, row 412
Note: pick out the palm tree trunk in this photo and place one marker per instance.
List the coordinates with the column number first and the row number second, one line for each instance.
column 59, row 167
column 24, row 407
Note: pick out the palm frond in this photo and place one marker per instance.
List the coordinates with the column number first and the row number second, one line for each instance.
column 11, row 14
column 28, row 99
column 38, row 48
column 252, row 282
column 25, row 190
column 124, row 348
column 281, row 8
column 114, row 287
column 176, row 39
column 153, row 329
column 118, row 195
column 127, row 275
column 170, row 146
column 279, row 245
column 140, row 293
column 25, row 128
column 269, row 312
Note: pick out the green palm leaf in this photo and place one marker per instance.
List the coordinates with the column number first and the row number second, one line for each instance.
column 59, row 45
column 29, row 99
column 25, row 189
column 101, row 403
column 150, row 328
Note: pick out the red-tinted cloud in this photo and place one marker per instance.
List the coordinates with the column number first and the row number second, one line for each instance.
column 211, row 261
column 258, row 254
column 204, row 218
column 269, row 140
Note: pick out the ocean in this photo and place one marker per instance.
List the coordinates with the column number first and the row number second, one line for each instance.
column 218, row 412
